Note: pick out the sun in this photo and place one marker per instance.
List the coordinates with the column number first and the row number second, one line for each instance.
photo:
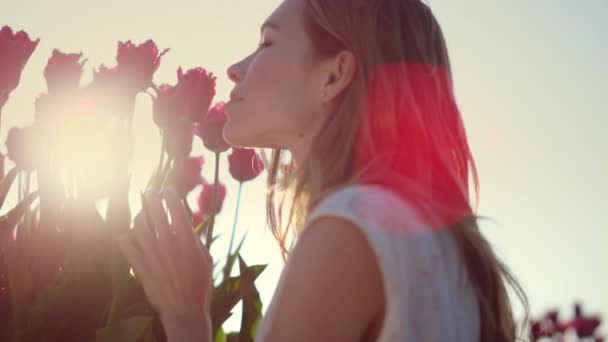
column 86, row 149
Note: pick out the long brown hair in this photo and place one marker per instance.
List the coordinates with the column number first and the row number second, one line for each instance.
column 397, row 125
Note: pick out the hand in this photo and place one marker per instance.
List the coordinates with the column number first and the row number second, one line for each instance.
column 172, row 264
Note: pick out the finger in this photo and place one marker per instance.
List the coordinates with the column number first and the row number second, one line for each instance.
column 167, row 248
column 190, row 241
column 159, row 220
column 143, row 272
column 134, row 256
column 179, row 217
column 146, row 239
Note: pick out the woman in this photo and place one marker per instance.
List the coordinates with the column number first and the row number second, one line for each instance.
column 388, row 249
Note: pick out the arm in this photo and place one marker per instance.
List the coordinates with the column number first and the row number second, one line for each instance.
column 332, row 287
column 332, row 290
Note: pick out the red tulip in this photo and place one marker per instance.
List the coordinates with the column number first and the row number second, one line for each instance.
column 244, row 164
column 197, row 218
column 15, row 51
column 541, row 328
column 205, row 199
column 578, row 311
column 167, row 107
column 552, row 315
column 20, row 146
column 586, row 326
column 561, row 327
column 178, row 137
column 63, row 72
column 3, row 97
column 196, row 90
column 186, row 174
column 210, row 130
column 139, row 63
column 112, row 91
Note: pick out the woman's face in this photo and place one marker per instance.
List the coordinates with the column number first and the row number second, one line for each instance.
column 276, row 101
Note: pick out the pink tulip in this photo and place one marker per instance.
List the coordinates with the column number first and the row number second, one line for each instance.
column 111, row 91
column 179, row 137
column 196, row 90
column 198, row 218
column 63, row 72
column 210, row 130
column 139, row 63
column 186, row 174
column 205, row 199
column 244, row 164
column 15, row 51
column 167, row 107
column 21, row 145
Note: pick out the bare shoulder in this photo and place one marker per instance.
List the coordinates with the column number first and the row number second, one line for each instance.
column 332, row 288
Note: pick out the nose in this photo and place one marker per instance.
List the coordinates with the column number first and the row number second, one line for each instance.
column 235, row 73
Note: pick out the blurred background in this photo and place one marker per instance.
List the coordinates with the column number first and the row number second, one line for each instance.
column 529, row 79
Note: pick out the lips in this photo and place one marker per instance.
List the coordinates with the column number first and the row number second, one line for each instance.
column 229, row 104
column 235, row 98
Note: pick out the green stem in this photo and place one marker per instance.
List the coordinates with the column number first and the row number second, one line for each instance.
column 27, row 192
column 236, row 215
column 187, row 207
column 20, row 188
column 161, row 159
column 215, row 186
column 119, row 268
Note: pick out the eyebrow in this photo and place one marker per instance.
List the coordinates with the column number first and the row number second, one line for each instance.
column 269, row 24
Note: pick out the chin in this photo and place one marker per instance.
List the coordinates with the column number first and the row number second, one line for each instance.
column 237, row 136
column 248, row 134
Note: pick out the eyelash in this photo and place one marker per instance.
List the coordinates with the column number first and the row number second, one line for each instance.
column 264, row 44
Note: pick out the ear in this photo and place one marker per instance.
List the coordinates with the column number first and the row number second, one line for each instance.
column 339, row 73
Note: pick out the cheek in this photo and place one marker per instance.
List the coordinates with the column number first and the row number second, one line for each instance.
column 277, row 86
column 277, row 103
column 270, row 78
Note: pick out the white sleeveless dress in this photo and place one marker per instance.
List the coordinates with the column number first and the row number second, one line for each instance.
column 428, row 297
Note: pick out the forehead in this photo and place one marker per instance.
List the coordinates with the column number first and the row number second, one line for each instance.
column 288, row 14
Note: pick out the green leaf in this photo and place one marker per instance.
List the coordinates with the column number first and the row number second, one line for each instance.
column 230, row 291
column 42, row 316
column 224, row 298
column 232, row 336
column 251, row 273
column 202, row 227
column 252, row 311
column 137, row 328
column 219, row 336
column 9, row 220
column 232, row 259
column 134, row 302
column 5, row 184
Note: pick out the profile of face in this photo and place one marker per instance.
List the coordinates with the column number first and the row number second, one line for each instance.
column 277, row 100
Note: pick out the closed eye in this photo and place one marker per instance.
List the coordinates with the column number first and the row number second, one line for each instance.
column 263, row 45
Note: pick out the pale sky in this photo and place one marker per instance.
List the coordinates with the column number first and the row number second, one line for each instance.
column 529, row 79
